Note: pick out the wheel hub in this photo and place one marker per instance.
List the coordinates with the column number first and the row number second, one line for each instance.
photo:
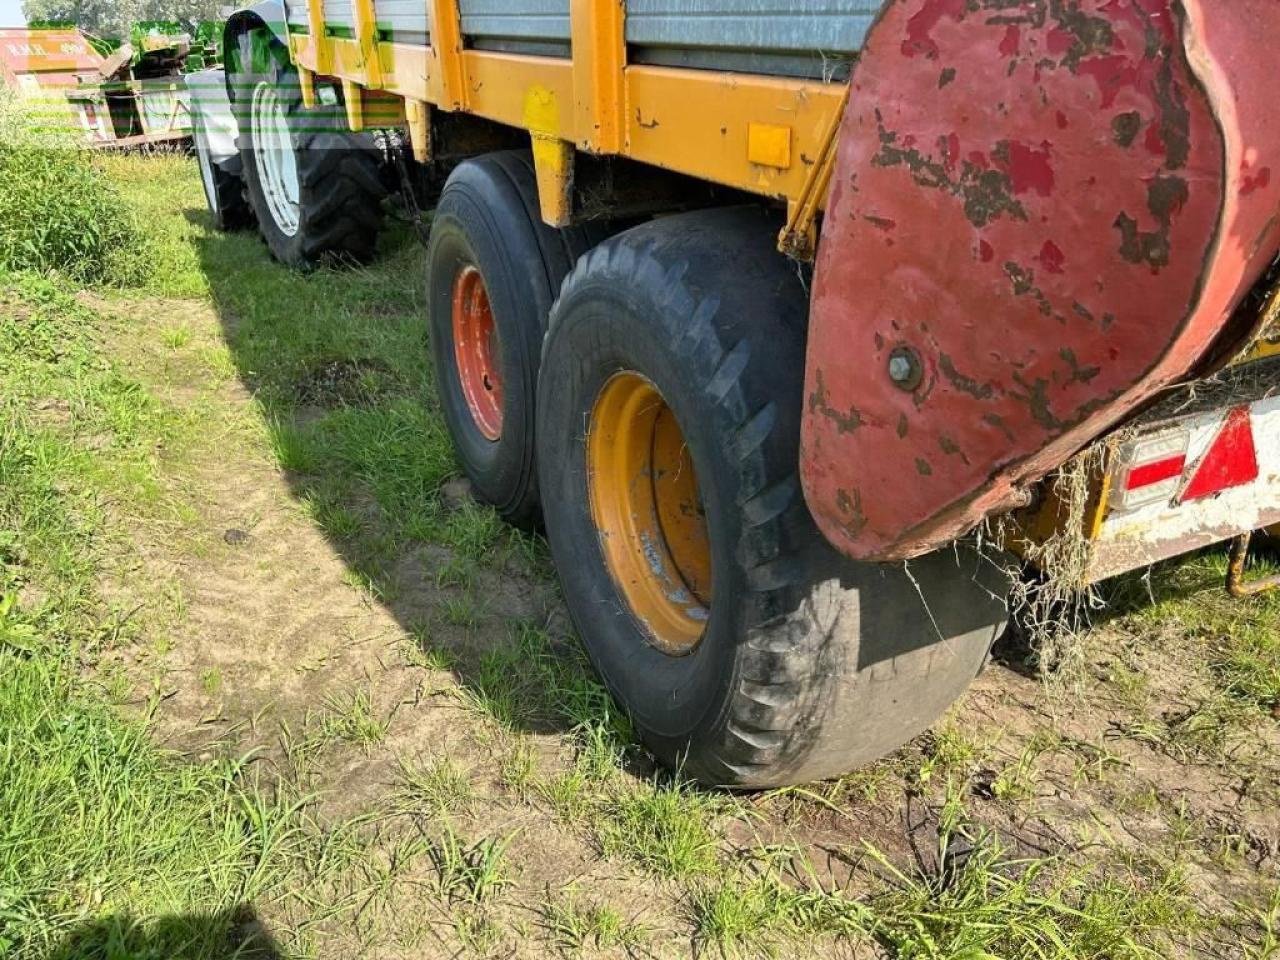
column 648, row 510
column 477, row 349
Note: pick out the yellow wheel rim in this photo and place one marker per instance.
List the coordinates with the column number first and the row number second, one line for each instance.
column 648, row 512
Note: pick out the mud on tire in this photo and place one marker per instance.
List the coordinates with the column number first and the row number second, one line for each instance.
column 808, row 664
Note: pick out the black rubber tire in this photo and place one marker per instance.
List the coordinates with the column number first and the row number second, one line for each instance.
column 488, row 217
column 811, row 664
column 340, row 186
column 224, row 194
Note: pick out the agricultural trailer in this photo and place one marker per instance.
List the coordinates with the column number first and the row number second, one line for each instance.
column 771, row 314
column 140, row 97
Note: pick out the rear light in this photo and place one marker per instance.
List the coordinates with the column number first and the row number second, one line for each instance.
column 1182, row 465
column 1151, row 469
column 1230, row 461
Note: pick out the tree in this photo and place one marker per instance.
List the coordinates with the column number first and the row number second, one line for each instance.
column 114, row 18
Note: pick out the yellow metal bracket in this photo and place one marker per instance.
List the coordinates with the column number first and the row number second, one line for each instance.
column 599, row 65
column 307, row 82
column 553, row 166
column 353, row 94
column 553, row 156
column 366, row 24
column 319, row 35
column 418, row 116
column 447, row 76
column 799, row 238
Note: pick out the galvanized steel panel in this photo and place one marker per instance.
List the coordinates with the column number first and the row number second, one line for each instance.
column 537, row 20
column 404, row 20
column 338, row 13
column 758, row 26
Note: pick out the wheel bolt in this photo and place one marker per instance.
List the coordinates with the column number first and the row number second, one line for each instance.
column 904, row 368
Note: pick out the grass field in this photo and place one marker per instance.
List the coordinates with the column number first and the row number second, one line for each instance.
column 271, row 685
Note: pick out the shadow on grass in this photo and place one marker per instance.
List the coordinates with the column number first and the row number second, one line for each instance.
column 230, row 935
column 339, row 364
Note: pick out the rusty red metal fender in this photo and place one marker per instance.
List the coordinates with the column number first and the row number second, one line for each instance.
column 1042, row 213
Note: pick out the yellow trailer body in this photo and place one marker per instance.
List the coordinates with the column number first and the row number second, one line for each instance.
column 767, row 135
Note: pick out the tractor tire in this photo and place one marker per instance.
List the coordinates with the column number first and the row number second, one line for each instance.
column 493, row 272
column 314, row 186
column 224, row 194
column 748, row 653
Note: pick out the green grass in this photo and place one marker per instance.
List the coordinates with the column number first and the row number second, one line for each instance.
column 106, row 842
column 576, row 924
column 58, row 209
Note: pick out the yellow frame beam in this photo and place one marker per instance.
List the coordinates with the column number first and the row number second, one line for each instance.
column 770, row 136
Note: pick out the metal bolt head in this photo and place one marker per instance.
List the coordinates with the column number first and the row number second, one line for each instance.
column 904, row 368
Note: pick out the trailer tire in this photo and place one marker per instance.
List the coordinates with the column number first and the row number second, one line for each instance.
column 674, row 365
column 224, row 194
column 493, row 272
column 314, row 186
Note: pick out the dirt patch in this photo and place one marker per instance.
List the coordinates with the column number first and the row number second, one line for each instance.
column 344, row 382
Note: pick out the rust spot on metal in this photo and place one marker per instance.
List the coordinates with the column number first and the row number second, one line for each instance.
column 820, row 402
column 1024, row 285
column 979, row 391
column 1078, row 35
column 850, row 506
column 1166, row 196
column 1079, row 374
column 987, row 194
column 1125, row 128
column 997, row 421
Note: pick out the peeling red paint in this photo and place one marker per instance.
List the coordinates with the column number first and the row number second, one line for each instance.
column 1051, row 274
column 919, row 40
column 1029, row 168
column 1051, row 257
column 1011, row 43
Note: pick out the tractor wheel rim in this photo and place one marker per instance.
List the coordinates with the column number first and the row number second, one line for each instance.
column 276, row 161
column 648, row 512
column 477, row 352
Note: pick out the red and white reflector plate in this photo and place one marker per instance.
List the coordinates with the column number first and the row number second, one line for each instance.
column 1190, row 483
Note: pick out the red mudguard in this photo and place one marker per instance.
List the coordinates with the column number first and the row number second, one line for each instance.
column 1043, row 212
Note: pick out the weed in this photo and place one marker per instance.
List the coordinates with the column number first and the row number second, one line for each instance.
column 469, row 873
column 575, row 924
column 352, row 719
column 437, row 788
column 211, row 681
column 667, row 827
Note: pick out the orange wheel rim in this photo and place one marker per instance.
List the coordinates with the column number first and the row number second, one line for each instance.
column 648, row 511
column 476, row 352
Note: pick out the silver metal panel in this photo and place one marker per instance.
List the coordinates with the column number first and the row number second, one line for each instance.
column 296, row 13
column 404, row 20
column 536, row 20
column 338, row 13
column 758, row 26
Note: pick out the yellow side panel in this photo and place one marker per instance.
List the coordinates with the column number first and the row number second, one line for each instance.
column 699, row 122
